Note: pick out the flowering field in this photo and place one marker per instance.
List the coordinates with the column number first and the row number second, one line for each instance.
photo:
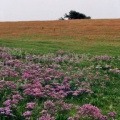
column 58, row 86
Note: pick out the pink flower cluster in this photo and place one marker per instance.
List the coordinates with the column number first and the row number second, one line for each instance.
column 88, row 110
column 43, row 87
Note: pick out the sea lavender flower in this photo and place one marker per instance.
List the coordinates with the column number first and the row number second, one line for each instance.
column 103, row 117
column 60, row 52
column 7, row 102
column 10, row 84
column 1, row 110
column 43, row 112
column 46, row 117
column 17, row 96
column 112, row 114
column 6, row 111
column 50, row 107
column 70, row 118
column 27, row 118
column 76, row 117
column 15, row 101
column 88, row 110
column 49, row 104
column 107, row 66
column 66, row 106
column 115, row 70
column 27, row 113
column 47, row 79
column 30, row 105
column 34, row 89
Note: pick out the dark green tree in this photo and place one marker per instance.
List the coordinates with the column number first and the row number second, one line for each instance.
column 76, row 15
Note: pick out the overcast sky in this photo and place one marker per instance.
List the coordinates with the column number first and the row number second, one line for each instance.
column 28, row 10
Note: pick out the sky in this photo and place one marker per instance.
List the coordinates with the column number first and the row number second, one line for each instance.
column 37, row 10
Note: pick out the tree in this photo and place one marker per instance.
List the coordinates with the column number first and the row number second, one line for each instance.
column 76, row 15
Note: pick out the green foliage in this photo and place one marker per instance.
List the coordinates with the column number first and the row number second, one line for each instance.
column 76, row 15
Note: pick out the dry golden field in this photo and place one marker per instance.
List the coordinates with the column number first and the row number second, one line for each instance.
column 77, row 28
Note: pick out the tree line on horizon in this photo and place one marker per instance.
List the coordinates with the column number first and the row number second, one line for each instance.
column 74, row 15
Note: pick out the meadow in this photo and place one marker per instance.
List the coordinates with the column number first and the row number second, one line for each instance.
column 60, row 70
column 97, row 37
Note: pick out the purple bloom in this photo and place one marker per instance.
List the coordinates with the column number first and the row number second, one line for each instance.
column 30, row 105
column 27, row 113
column 46, row 117
column 112, row 114
column 47, row 79
column 49, row 104
column 1, row 110
column 17, row 96
column 7, row 102
column 70, row 118
column 43, row 112
column 15, row 101
column 103, row 117
column 28, row 118
column 88, row 110
column 6, row 111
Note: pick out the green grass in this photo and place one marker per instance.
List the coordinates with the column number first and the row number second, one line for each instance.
column 51, row 44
